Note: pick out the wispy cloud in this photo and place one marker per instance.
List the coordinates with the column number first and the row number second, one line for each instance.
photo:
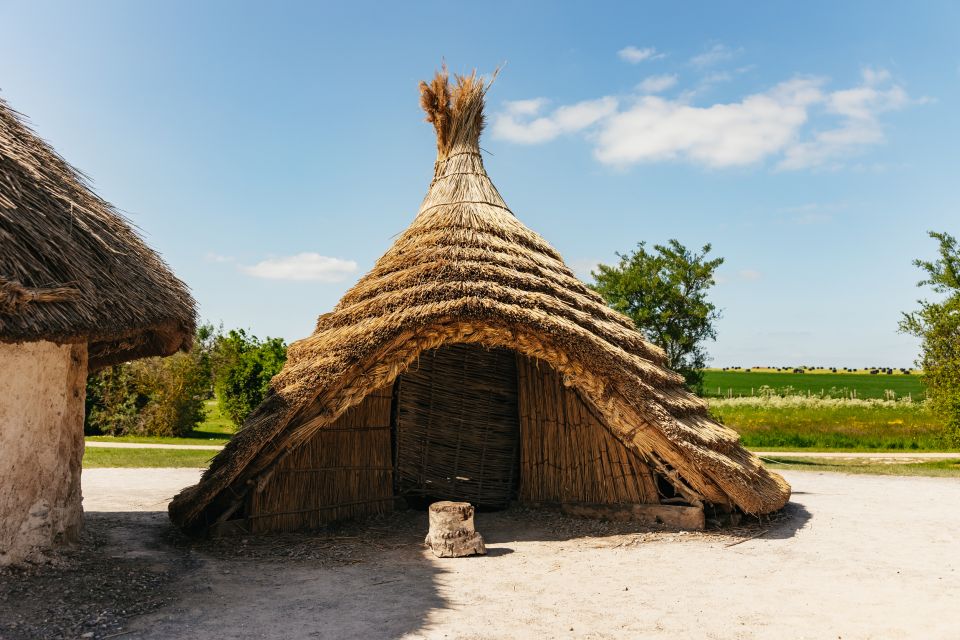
column 526, row 126
column 813, row 212
column 583, row 267
column 213, row 257
column 656, row 84
column 303, row 267
column 749, row 274
column 714, row 55
column 635, row 55
column 529, row 107
column 858, row 109
column 776, row 124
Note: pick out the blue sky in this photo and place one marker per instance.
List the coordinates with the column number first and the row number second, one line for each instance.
column 271, row 151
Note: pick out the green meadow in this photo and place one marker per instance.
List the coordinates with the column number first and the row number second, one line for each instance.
column 97, row 457
column 862, row 384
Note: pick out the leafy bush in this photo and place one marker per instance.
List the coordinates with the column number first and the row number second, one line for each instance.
column 112, row 402
column 164, row 396
column 153, row 396
column 175, row 388
column 242, row 369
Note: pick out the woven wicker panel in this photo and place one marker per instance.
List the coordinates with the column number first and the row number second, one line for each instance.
column 568, row 453
column 344, row 471
column 458, row 428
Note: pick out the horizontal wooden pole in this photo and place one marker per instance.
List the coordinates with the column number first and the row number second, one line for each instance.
column 327, row 469
column 671, row 515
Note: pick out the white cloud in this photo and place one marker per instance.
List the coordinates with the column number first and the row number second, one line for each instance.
column 656, row 84
column 635, row 55
column 212, row 256
column 797, row 123
column 302, row 267
column 749, row 274
column 583, row 267
column 517, row 127
column 529, row 107
column 813, row 212
column 722, row 135
column 714, row 55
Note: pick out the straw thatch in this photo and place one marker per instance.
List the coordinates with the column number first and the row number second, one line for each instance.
column 71, row 268
column 467, row 271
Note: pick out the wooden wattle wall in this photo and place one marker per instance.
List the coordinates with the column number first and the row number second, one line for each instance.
column 567, row 454
column 458, row 432
column 348, row 464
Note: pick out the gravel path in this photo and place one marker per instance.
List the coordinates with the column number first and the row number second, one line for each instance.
column 856, row 557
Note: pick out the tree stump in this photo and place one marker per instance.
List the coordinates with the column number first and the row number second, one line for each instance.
column 451, row 531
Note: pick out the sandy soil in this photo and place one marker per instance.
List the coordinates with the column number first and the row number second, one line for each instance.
column 858, row 557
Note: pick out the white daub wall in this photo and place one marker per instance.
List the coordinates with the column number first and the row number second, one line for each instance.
column 42, row 390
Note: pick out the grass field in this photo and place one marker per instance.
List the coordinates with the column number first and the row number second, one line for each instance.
column 215, row 429
column 105, row 457
column 799, row 422
column 936, row 468
column 864, row 385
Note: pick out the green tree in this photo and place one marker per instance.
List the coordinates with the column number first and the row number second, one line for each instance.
column 175, row 388
column 112, row 402
column 937, row 324
column 664, row 292
column 152, row 396
column 242, row 369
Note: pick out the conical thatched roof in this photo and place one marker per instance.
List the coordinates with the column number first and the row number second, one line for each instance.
column 467, row 271
column 71, row 268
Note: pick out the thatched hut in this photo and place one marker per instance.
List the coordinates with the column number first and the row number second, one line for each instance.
column 79, row 290
column 470, row 364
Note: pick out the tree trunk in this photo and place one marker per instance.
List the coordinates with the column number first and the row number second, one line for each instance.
column 451, row 531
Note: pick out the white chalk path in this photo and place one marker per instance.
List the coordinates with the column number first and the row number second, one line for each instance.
column 862, row 557
column 882, row 455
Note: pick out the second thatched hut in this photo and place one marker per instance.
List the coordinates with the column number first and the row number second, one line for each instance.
column 79, row 291
column 470, row 364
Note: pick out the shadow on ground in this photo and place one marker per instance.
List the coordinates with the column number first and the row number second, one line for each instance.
column 137, row 575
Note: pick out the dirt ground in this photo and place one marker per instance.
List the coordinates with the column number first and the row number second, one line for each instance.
column 853, row 557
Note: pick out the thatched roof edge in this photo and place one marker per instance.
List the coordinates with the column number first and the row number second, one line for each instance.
column 72, row 268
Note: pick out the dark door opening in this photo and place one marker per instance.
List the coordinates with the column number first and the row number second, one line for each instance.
column 457, row 427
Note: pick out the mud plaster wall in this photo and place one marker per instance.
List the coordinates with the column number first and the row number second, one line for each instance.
column 42, row 387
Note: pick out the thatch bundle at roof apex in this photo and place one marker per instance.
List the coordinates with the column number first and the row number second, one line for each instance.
column 71, row 268
column 467, row 271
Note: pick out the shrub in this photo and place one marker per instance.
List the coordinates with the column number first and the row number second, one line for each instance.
column 112, row 402
column 242, row 369
column 153, row 396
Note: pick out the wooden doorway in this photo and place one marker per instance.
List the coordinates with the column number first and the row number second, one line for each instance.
column 457, row 426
